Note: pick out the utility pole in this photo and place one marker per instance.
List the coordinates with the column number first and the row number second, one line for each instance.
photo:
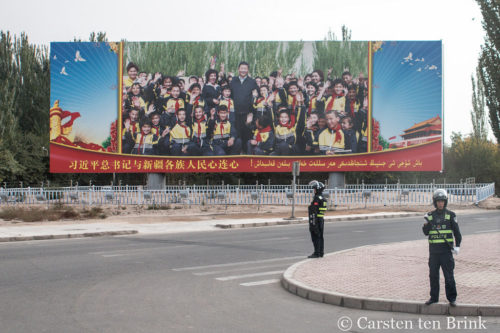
column 295, row 173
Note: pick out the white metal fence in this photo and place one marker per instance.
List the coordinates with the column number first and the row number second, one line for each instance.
column 351, row 196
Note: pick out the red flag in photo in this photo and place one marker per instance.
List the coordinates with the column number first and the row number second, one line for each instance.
column 392, row 137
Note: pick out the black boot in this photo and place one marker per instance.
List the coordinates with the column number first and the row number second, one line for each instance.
column 430, row 301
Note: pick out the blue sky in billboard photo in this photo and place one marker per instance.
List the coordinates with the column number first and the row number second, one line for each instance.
column 456, row 23
column 407, row 85
column 83, row 78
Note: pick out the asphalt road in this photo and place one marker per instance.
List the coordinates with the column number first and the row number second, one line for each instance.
column 219, row 281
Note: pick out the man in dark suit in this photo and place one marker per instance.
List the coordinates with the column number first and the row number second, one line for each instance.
column 242, row 87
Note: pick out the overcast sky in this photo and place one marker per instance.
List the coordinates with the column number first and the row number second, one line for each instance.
column 456, row 22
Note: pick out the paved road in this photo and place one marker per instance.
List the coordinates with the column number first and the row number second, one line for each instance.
column 220, row 281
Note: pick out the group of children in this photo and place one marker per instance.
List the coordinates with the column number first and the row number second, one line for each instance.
column 164, row 115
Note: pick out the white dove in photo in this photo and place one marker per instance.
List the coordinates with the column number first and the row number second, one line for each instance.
column 63, row 71
column 433, row 67
column 66, row 61
column 55, row 57
column 409, row 57
column 417, row 59
column 78, row 57
column 419, row 69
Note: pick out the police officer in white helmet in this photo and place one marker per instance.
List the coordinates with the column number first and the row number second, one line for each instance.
column 317, row 210
column 441, row 227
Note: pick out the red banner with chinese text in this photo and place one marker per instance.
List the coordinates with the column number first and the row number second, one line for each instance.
column 65, row 159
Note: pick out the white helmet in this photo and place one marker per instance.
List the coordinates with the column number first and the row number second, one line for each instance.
column 318, row 186
column 440, row 194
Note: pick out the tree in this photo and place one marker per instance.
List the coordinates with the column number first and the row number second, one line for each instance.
column 341, row 56
column 94, row 37
column 24, row 104
column 468, row 157
column 479, row 130
column 489, row 61
column 193, row 57
column 99, row 37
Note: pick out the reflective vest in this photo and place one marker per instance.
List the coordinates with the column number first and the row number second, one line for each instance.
column 322, row 208
column 319, row 204
column 441, row 231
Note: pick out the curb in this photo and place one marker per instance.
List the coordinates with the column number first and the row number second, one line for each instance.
column 64, row 236
column 302, row 220
column 380, row 304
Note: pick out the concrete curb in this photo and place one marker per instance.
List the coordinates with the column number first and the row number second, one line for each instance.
column 302, row 220
column 380, row 304
column 64, row 236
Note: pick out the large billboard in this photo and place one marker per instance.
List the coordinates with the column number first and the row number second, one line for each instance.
column 245, row 106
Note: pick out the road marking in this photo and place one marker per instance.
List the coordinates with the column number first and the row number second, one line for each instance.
column 235, row 277
column 240, row 269
column 236, row 263
column 359, row 231
column 259, row 283
column 131, row 251
column 485, row 231
column 259, row 240
column 112, row 255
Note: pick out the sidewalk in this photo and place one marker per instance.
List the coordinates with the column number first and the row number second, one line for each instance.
column 394, row 277
column 154, row 225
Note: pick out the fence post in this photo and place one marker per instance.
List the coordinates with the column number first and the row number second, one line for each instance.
column 238, row 194
column 336, row 202
column 385, row 195
column 194, row 191
column 260, row 196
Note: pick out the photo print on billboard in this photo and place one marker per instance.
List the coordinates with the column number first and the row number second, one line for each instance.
column 245, row 106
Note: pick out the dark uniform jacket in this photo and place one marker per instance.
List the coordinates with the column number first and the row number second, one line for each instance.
column 318, row 205
column 441, row 227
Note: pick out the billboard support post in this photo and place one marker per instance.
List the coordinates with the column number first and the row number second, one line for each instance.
column 156, row 181
column 336, row 179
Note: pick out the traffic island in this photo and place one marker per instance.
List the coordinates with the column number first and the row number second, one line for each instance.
column 395, row 277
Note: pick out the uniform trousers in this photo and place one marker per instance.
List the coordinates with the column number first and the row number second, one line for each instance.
column 447, row 263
